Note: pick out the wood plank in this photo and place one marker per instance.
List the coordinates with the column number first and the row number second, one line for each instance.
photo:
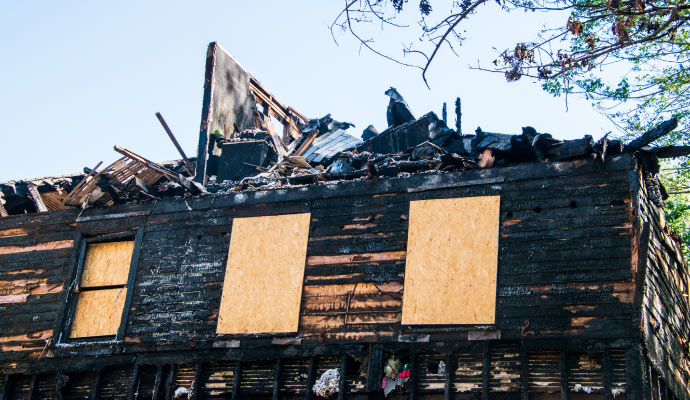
column 452, row 256
column 106, row 264
column 36, row 197
column 55, row 245
column 98, row 312
column 264, row 274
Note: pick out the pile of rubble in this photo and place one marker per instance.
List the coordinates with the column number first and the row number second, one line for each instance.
column 427, row 144
column 318, row 151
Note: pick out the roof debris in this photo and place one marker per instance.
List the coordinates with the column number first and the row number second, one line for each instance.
column 241, row 149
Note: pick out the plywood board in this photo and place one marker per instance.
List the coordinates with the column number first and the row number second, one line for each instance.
column 264, row 274
column 106, row 264
column 452, row 255
column 98, row 312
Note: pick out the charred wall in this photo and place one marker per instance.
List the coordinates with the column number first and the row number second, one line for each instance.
column 664, row 299
column 565, row 290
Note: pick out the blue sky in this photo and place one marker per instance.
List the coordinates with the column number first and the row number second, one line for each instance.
column 77, row 78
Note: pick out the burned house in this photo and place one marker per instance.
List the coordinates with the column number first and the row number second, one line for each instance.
column 289, row 259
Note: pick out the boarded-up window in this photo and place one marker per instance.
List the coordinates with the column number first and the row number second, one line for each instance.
column 452, row 255
column 264, row 274
column 102, row 289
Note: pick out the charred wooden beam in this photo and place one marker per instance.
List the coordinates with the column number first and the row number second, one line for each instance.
column 606, row 367
column 458, row 116
column 486, row 371
column 343, row 377
column 670, row 151
column 122, row 330
column 36, row 197
column 188, row 164
column 33, row 387
column 6, row 387
column 615, row 147
column 135, row 382
column 564, row 375
column 173, row 176
column 237, row 375
column 414, row 374
column 524, row 372
column 636, row 379
column 311, row 378
column 374, row 368
column 652, row 135
column 451, row 367
column 196, row 384
column 77, row 194
column 158, row 382
column 60, row 383
column 277, row 374
column 570, row 149
column 96, row 388
column 172, row 372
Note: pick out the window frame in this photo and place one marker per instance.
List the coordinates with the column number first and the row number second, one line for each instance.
column 62, row 331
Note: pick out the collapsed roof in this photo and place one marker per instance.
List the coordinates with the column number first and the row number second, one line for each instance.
column 241, row 147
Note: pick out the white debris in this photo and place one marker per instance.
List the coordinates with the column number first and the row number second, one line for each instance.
column 580, row 388
column 182, row 393
column 389, row 386
column 617, row 392
column 441, row 368
column 328, row 384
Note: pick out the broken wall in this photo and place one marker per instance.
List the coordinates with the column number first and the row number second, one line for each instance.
column 564, row 286
column 228, row 105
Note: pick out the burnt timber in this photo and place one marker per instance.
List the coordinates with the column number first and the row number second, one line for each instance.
column 590, row 293
column 591, row 290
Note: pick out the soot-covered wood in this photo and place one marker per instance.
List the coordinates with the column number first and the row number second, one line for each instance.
column 564, row 272
column 665, row 308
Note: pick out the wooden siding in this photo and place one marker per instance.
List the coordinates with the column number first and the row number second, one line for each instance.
column 565, row 287
column 663, row 282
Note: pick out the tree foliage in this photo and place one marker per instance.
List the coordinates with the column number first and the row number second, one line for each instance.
column 677, row 182
column 630, row 57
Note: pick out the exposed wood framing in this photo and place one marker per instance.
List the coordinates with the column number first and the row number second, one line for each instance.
column 36, row 197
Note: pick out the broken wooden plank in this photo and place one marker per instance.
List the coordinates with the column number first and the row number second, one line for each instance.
column 189, row 186
column 652, row 135
column 570, row 149
column 670, row 151
column 36, row 197
column 189, row 166
column 77, row 193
